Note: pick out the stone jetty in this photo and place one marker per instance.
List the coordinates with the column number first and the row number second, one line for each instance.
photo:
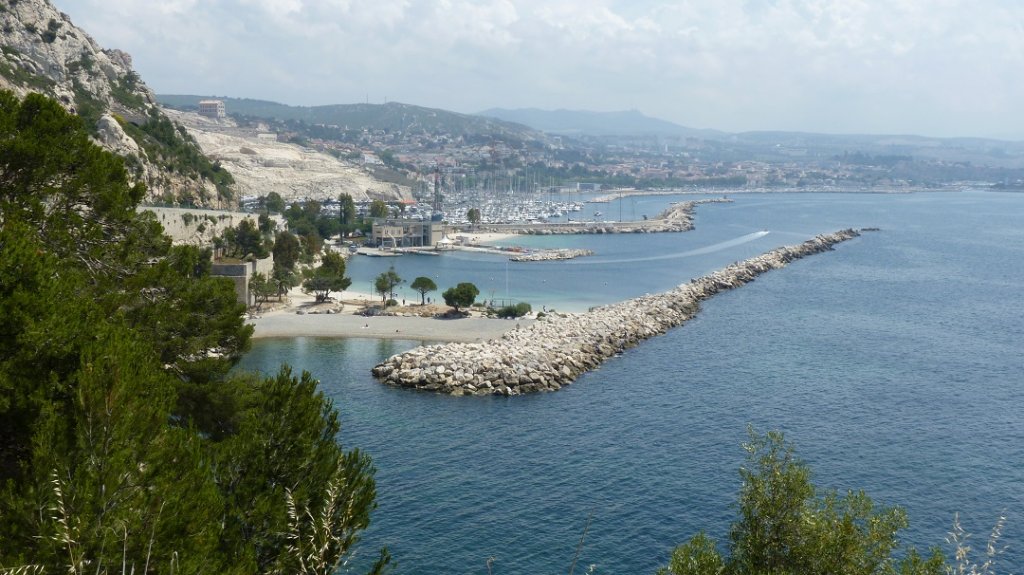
column 556, row 349
column 551, row 255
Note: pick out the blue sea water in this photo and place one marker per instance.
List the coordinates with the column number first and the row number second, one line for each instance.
column 894, row 364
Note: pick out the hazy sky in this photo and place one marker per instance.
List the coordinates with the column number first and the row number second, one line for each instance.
column 929, row 67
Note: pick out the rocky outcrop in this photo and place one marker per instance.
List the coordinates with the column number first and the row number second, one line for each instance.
column 554, row 351
column 677, row 218
column 260, row 165
column 42, row 51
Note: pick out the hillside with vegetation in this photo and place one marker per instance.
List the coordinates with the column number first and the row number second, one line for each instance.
column 42, row 51
column 354, row 118
column 260, row 165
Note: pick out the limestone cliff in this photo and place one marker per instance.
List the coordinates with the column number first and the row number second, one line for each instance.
column 41, row 50
column 260, row 164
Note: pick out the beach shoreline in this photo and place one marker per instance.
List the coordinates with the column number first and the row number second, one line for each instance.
column 300, row 316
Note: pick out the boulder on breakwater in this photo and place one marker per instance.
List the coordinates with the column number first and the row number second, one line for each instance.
column 555, row 350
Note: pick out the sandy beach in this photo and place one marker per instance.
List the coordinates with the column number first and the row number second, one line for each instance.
column 468, row 329
column 300, row 317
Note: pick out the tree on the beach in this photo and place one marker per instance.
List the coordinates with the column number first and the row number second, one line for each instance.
column 473, row 215
column 330, row 276
column 786, row 526
column 385, row 284
column 462, row 295
column 261, row 287
column 284, row 279
column 423, row 285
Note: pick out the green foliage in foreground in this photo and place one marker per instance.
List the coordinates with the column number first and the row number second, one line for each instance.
column 785, row 526
column 124, row 444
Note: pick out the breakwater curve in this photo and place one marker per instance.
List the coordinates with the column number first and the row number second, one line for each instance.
column 555, row 350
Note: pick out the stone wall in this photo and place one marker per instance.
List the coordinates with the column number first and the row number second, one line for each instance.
column 556, row 349
column 197, row 226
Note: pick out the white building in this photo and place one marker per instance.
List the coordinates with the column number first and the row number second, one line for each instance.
column 212, row 108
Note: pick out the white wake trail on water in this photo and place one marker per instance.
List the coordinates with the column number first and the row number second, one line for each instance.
column 689, row 253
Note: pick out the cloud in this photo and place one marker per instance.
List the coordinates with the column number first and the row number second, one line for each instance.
column 925, row 66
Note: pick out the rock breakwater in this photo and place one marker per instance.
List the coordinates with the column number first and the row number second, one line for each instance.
column 551, row 255
column 555, row 350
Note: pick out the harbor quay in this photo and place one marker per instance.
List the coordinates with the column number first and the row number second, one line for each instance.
column 676, row 218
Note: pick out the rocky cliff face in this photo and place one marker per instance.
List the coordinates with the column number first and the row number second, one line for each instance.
column 42, row 51
column 260, row 165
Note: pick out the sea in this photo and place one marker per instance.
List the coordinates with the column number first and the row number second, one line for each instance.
column 894, row 365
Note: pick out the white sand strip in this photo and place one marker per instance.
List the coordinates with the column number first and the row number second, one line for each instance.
column 469, row 329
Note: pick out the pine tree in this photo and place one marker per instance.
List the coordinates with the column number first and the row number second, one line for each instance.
column 125, row 445
column 786, row 526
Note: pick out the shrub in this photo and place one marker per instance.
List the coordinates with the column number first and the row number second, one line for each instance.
column 461, row 295
column 518, row 310
column 787, row 525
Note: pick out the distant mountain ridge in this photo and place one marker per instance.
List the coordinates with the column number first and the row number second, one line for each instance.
column 534, row 125
column 392, row 116
column 587, row 123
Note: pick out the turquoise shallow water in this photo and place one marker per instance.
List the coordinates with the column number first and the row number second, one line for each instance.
column 894, row 364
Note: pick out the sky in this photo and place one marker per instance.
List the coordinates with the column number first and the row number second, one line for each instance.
column 927, row 67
